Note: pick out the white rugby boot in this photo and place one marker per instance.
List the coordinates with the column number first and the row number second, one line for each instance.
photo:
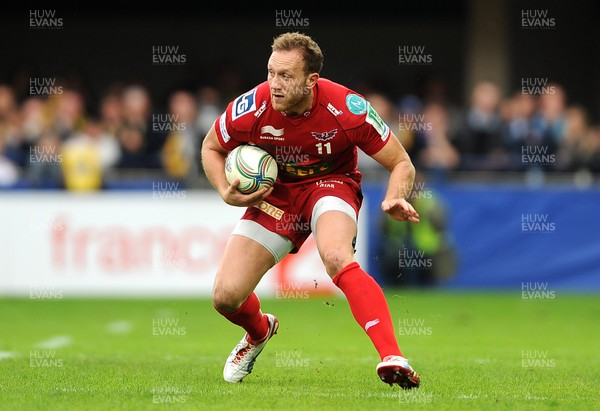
column 241, row 360
column 395, row 369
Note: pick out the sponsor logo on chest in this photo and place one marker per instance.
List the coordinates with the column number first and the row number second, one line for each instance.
column 271, row 133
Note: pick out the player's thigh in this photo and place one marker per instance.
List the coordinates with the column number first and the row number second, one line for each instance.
column 334, row 228
column 250, row 252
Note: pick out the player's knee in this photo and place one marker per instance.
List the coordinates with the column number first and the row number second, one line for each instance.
column 225, row 302
column 335, row 259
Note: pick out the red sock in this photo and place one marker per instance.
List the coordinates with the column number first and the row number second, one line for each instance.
column 250, row 318
column 369, row 307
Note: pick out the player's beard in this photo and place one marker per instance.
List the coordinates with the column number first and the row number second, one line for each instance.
column 291, row 104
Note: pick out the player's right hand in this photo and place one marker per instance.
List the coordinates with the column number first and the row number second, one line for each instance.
column 234, row 197
column 400, row 210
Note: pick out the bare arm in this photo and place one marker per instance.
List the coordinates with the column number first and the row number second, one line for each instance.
column 213, row 162
column 395, row 159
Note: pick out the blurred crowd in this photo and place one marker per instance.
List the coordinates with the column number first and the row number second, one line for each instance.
column 53, row 139
column 519, row 132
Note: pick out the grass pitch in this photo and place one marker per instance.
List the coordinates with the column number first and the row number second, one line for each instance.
column 475, row 351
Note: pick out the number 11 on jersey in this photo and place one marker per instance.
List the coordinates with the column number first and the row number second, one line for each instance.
column 320, row 148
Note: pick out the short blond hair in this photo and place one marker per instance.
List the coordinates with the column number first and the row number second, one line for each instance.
column 308, row 48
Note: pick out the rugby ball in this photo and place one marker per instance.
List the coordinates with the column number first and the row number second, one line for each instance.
column 255, row 168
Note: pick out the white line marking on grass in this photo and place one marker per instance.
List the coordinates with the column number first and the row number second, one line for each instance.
column 483, row 360
column 119, row 327
column 55, row 342
column 164, row 313
column 6, row 355
column 336, row 359
column 528, row 396
column 330, row 394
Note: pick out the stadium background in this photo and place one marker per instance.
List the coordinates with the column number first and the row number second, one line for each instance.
column 103, row 193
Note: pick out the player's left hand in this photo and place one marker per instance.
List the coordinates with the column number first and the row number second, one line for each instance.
column 234, row 197
column 400, row 209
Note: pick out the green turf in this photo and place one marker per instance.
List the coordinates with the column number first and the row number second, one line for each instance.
column 473, row 350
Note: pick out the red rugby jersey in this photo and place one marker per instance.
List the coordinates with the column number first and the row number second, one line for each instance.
column 307, row 147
